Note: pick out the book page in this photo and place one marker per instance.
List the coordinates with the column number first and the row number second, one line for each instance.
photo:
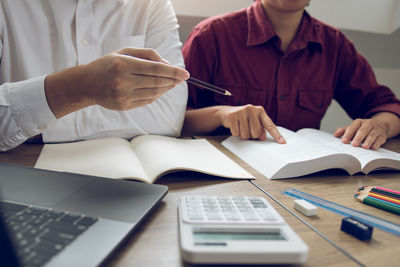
column 160, row 154
column 299, row 156
column 382, row 157
column 110, row 157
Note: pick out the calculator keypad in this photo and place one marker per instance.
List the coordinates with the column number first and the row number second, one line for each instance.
column 228, row 209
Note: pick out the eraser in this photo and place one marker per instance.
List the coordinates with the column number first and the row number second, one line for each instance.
column 356, row 228
column 305, row 207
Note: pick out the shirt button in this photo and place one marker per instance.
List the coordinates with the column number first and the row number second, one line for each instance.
column 84, row 42
column 282, row 97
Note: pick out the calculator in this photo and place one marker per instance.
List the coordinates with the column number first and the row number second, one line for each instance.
column 236, row 230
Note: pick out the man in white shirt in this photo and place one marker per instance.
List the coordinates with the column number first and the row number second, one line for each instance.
column 65, row 73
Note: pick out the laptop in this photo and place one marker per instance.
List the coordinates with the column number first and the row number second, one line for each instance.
column 65, row 219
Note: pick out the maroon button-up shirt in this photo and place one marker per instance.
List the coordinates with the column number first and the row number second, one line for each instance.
column 241, row 52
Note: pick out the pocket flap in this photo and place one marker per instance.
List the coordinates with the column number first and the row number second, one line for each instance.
column 314, row 99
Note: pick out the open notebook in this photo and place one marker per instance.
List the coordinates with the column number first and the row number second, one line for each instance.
column 145, row 158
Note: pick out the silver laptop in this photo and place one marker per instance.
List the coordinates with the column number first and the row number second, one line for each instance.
column 65, row 219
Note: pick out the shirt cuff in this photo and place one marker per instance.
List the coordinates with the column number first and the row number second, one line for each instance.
column 391, row 107
column 29, row 106
column 63, row 130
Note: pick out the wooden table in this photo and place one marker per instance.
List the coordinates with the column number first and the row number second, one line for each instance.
column 155, row 242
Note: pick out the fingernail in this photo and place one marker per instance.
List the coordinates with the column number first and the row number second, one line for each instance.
column 282, row 140
column 185, row 75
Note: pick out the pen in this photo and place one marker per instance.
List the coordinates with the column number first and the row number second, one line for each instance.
column 208, row 86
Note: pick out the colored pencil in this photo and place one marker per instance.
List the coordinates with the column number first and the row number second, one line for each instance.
column 208, row 86
column 386, row 193
column 388, row 190
column 382, row 197
column 380, row 190
column 378, row 203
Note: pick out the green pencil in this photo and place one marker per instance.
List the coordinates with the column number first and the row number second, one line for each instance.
column 378, row 203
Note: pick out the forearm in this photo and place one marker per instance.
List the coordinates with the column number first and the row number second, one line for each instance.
column 202, row 121
column 65, row 91
column 162, row 117
column 390, row 123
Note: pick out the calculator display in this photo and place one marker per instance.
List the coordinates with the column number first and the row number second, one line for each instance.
column 201, row 235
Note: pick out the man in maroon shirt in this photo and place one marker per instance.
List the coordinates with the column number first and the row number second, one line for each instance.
column 283, row 67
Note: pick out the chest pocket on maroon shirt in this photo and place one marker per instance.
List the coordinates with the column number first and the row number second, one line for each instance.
column 313, row 104
column 241, row 95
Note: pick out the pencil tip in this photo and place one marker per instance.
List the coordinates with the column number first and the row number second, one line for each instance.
column 228, row 93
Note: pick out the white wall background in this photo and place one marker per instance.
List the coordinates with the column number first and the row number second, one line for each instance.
column 378, row 16
column 207, row 8
column 373, row 25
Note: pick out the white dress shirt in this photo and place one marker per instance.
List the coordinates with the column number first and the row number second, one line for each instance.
column 42, row 37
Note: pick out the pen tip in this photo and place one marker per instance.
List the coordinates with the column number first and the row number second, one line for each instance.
column 228, row 93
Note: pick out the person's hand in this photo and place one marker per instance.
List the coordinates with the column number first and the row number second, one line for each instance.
column 130, row 78
column 249, row 122
column 122, row 80
column 369, row 133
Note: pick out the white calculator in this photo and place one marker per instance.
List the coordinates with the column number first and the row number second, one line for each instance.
column 236, row 230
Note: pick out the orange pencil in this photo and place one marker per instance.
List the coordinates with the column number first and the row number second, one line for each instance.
column 379, row 196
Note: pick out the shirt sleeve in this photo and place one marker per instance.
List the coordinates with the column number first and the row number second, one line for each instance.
column 163, row 36
column 199, row 54
column 357, row 90
column 162, row 117
column 23, row 111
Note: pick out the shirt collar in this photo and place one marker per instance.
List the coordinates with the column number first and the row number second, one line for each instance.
column 260, row 29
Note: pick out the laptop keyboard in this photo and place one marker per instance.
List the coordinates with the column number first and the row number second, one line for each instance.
column 41, row 233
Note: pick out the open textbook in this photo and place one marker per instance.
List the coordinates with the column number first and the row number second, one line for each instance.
column 308, row 151
column 145, row 158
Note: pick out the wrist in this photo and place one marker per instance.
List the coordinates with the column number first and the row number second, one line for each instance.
column 389, row 122
column 220, row 112
column 65, row 91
